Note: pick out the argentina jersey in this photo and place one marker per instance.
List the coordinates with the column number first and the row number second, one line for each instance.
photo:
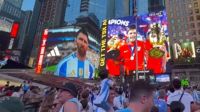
column 71, row 66
column 102, row 97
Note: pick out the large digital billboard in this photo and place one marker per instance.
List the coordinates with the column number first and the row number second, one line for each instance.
column 122, row 54
column 69, row 52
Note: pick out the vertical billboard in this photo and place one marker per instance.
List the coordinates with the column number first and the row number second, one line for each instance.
column 70, row 52
column 119, row 46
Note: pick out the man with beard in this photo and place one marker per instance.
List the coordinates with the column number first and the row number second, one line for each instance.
column 76, row 64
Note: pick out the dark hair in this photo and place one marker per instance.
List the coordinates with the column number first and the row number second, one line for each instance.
column 85, row 94
column 176, row 84
column 82, row 30
column 171, row 88
column 132, row 27
column 103, row 74
column 140, row 87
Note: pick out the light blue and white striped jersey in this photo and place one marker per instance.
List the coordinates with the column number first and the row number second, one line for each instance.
column 104, row 92
column 71, row 66
column 196, row 96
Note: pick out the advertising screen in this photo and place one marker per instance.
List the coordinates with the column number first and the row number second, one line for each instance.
column 120, row 50
column 5, row 24
column 69, row 53
column 184, row 50
column 163, row 78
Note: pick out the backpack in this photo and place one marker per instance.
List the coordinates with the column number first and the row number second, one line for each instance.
column 177, row 106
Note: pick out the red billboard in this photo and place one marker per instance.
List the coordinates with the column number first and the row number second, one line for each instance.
column 15, row 29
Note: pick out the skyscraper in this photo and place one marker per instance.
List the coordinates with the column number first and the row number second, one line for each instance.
column 103, row 9
column 177, row 13
column 142, row 7
column 123, row 8
column 148, row 6
column 156, row 5
column 194, row 19
column 51, row 15
column 16, row 3
column 184, row 33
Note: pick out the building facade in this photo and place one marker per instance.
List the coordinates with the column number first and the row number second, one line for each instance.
column 184, row 22
column 102, row 9
column 156, row 5
column 123, row 8
column 51, row 15
column 194, row 19
column 177, row 13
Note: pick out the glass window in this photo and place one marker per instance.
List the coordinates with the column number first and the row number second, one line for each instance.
column 174, row 34
column 194, row 32
column 192, row 25
column 197, row 11
column 190, row 11
column 198, row 24
column 191, row 18
column 196, row 4
column 172, row 21
column 198, row 17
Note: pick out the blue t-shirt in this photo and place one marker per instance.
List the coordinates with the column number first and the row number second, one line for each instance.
column 125, row 110
column 161, row 105
column 71, row 66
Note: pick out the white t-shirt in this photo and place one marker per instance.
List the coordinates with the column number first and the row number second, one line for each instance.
column 187, row 99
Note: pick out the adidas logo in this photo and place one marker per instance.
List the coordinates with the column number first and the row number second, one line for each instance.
column 54, row 52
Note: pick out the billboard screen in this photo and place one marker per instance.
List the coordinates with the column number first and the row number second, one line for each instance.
column 67, row 55
column 5, row 24
column 163, row 78
column 184, row 50
column 118, row 44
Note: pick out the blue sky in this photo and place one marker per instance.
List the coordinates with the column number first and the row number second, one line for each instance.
column 28, row 5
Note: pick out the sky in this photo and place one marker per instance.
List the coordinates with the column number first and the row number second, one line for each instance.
column 28, row 5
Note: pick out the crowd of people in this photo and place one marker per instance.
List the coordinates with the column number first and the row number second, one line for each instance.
column 140, row 96
column 108, row 96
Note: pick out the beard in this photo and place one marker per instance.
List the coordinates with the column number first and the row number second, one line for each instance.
column 81, row 51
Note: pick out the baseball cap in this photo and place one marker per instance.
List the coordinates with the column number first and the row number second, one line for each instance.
column 71, row 88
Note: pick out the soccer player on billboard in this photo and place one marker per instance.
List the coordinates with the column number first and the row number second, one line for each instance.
column 76, row 64
column 128, row 51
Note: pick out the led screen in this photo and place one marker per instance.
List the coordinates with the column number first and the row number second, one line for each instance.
column 61, row 54
column 163, row 78
column 184, row 50
column 118, row 44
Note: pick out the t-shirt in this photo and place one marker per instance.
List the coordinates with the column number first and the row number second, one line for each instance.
column 71, row 66
column 119, row 102
column 128, row 54
column 186, row 99
column 161, row 105
column 125, row 110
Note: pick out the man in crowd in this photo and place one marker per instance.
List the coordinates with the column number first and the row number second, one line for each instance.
column 141, row 97
column 68, row 97
column 76, row 64
column 102, row 98
column 186, row 98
